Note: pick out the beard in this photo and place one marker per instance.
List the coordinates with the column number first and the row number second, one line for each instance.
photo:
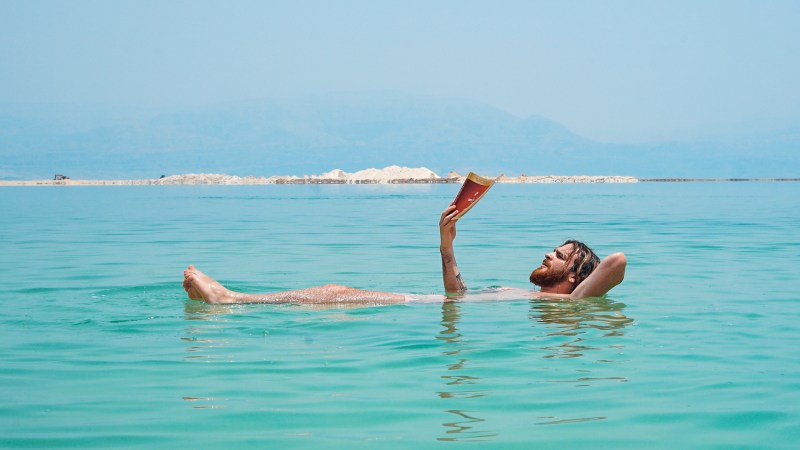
column 547, row 277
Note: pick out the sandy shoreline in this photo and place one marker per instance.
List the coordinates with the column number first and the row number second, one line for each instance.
column 387, row 175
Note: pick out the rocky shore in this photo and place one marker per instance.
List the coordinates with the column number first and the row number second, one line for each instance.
column 387, row 175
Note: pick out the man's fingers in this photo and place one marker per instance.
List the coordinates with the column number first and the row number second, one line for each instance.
column 448, row 215
column 452, row 215
column 449, row 220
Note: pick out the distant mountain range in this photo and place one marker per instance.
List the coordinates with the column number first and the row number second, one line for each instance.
column 298, row 136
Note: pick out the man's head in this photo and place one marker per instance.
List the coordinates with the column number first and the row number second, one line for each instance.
column 565, row 267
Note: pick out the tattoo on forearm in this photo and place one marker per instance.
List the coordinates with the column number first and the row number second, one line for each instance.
column 461, row 284
column 449, row 268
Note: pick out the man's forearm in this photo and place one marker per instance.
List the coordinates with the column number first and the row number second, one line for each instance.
column 608, row 274
column 450, row 273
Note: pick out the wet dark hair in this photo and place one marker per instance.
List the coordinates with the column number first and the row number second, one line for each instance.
column 585, row 262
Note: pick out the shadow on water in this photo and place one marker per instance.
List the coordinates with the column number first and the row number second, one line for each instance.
column 459, row 384
column 576, row 320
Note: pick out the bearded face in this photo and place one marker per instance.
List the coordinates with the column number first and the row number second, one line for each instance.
column 554, row 268
column 548, row 276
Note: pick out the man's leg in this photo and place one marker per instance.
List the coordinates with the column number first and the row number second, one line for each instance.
column 200, row 286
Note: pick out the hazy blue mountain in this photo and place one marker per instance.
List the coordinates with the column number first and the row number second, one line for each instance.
column 297, row 136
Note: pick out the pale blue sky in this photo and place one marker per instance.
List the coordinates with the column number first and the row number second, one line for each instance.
column 619, row 71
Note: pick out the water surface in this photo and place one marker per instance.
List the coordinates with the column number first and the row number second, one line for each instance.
column 696, row 349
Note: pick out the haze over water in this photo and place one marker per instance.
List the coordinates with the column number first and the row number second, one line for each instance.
column 141, row 89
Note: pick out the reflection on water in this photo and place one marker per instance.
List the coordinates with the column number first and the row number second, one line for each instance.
column 197, row 310
column 578, row 320
column 198, row 335
column 573, row 329
column 462, row 430
column 563, row 331
column 204, row 321
column 565, row 421
column 578, row 328
column 192, row 400
column 464, row 427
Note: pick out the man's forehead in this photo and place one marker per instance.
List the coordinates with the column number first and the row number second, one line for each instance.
column 567, row 248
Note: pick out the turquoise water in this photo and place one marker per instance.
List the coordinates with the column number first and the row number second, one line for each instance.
column 696, row 349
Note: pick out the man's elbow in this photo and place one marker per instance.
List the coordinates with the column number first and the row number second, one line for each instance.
column 617, row 263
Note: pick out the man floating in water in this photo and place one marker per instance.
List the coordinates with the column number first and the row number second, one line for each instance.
column 571, row 271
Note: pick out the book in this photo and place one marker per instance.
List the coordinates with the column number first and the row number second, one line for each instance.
column 471, row 192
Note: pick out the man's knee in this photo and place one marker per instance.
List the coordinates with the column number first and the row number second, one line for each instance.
column 335, row 287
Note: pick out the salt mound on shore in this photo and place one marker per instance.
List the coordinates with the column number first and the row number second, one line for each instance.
column 200, row 178
column 385, row 175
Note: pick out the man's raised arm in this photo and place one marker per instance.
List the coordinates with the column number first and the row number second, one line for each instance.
column 608, row 274
column 447, row 232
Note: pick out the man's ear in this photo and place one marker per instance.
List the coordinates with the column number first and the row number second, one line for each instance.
column 572, row 278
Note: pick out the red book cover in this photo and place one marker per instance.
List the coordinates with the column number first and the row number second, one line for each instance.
column 472, row 190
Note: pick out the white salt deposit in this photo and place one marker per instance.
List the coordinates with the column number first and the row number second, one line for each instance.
column 390, row 174
column 385, row 175
column 200, row 178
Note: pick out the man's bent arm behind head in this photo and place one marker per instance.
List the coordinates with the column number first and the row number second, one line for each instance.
column 609, row 273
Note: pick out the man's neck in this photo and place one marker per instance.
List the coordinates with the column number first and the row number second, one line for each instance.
column 564, row 287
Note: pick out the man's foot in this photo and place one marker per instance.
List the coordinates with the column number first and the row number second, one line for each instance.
column 200, row 286
column 190, row 290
